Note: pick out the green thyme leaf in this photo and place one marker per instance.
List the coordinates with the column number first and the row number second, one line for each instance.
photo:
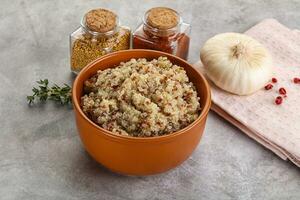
column 61, row 95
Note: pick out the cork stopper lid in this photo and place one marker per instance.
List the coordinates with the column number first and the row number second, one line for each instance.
column 162, row 18
column 101, row 20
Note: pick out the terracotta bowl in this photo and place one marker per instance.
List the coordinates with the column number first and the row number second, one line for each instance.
column 132, row 155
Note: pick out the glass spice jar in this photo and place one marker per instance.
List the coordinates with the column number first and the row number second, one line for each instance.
column 100, row 33
column 163, row 29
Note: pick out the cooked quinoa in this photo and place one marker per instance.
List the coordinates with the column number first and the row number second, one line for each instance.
column 141, row 98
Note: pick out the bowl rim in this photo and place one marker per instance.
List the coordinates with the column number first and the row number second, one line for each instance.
column 77, row 107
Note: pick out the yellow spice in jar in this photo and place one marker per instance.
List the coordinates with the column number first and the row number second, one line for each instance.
column 87, row 48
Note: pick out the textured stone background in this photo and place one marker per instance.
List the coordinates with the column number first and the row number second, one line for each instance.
column 41, row 156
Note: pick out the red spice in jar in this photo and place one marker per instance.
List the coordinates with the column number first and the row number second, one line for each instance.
column 162, row 30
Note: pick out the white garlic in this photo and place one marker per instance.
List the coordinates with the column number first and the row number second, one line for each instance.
column 236, row 63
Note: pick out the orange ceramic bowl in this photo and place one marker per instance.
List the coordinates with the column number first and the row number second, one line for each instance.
column 132, row 155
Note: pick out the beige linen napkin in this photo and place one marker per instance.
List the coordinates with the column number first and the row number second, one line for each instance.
column 275, row 127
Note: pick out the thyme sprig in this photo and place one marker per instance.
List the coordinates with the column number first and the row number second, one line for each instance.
column 44, row 92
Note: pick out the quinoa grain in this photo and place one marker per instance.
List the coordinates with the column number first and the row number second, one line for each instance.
column 137, row 98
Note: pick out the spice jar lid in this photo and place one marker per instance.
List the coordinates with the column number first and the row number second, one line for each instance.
column 162, row 18
column 101, row 20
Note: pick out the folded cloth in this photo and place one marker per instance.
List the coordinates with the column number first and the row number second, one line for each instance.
column 277, row 127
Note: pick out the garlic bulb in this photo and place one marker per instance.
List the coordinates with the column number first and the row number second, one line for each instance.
column 236, row 63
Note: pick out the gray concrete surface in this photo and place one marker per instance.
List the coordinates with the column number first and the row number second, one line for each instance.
column 41, row 156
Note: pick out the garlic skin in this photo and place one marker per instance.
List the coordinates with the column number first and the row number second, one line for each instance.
column 236, row 63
